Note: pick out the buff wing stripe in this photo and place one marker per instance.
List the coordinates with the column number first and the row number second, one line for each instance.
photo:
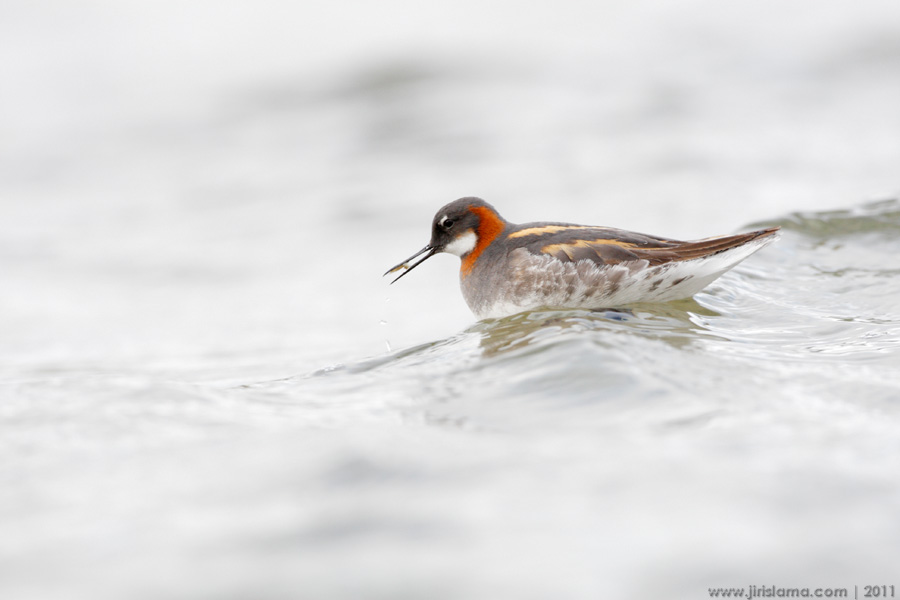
column 545, row 229
column 613, row 251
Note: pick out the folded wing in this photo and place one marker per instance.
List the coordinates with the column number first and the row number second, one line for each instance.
column 612, row 246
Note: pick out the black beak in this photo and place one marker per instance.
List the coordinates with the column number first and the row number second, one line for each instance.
column 431, row 250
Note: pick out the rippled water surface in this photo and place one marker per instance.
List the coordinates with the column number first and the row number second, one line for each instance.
column 207, row 390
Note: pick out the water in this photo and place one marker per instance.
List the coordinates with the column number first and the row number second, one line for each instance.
column 208, row 391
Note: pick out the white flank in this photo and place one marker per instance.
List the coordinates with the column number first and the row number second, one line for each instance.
column 463, row 244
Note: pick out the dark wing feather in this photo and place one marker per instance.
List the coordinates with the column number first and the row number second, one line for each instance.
column 612, row 246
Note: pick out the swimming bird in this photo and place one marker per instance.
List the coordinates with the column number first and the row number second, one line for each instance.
column 508, row 268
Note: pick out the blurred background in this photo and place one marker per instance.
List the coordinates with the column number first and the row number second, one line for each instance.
column 199, row 198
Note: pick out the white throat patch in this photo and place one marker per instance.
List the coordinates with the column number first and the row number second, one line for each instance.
column 463, row 244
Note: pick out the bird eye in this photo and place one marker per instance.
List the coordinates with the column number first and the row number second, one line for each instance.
column 448, row 223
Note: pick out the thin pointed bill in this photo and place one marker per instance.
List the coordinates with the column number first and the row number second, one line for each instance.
column 432, row 250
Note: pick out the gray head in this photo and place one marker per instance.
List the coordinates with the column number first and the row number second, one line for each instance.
column 457, row 228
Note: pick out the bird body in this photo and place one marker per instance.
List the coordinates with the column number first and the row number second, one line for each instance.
column 508, row 268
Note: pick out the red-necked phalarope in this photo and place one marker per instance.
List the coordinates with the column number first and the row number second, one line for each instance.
column 508, row 268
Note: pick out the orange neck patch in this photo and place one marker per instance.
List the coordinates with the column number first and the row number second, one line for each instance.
column 489, row 227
